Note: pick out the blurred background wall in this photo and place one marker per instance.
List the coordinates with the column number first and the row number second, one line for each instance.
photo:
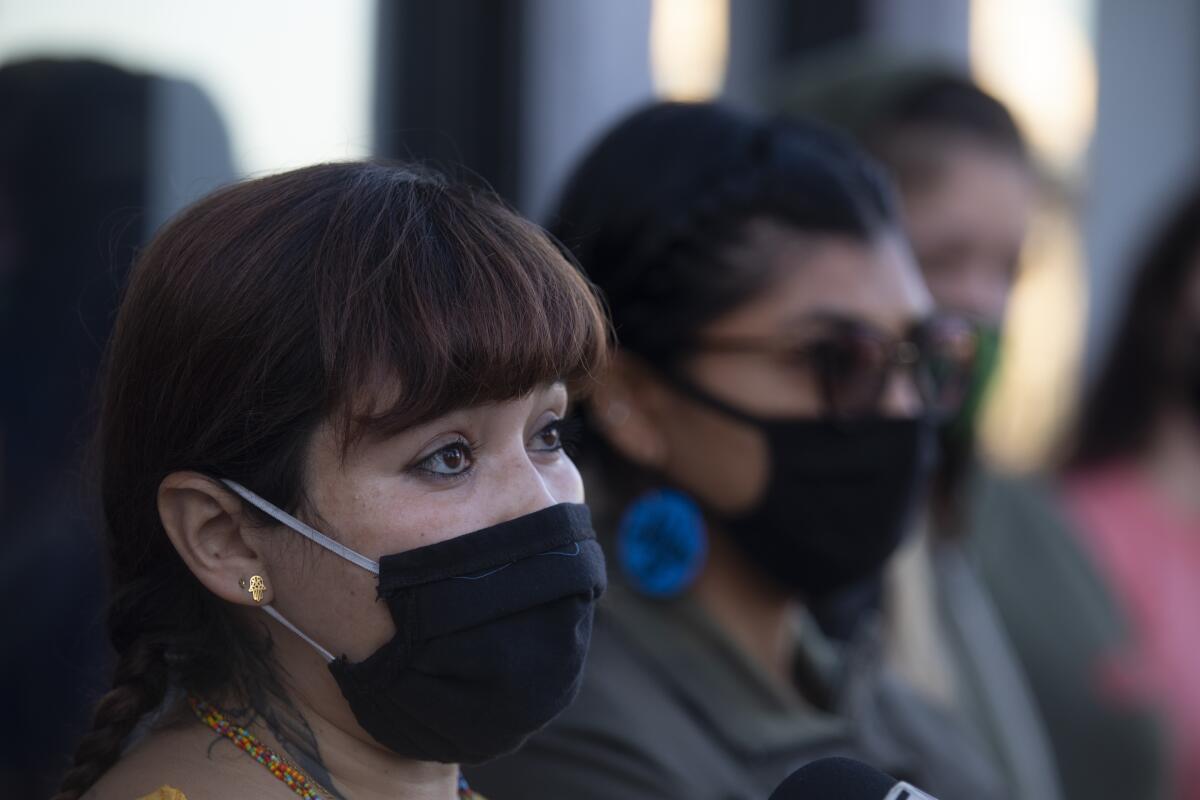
column 1107, row 90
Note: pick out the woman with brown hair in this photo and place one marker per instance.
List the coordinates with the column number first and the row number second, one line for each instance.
column 344, row 536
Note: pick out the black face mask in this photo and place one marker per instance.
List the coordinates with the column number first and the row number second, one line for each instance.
column 492, row 629
column 839, row 497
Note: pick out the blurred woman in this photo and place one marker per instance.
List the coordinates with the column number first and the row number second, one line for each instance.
column 347, row 549
column 959, row 161
column 759, row 441
column 967, row 190
column 1104, row 615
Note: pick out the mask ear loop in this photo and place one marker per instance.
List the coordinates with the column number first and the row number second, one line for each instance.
column 282, row 620
column 312, row 534
column 675, row 379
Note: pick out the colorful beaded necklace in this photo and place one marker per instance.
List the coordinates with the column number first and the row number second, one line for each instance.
column 295, row 778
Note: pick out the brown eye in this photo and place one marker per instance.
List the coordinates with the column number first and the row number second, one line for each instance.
column 453, row 459
column 548, row 438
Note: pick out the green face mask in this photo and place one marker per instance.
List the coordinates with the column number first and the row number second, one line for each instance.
column 962, row 425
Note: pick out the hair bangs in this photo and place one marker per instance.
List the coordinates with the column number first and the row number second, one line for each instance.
column 453, row 301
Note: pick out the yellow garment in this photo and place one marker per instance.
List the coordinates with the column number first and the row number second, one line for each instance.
column 165, row 793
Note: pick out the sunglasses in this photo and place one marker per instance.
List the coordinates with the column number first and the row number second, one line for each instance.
column 853, row 361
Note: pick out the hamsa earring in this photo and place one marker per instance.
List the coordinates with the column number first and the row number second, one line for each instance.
column 256, row 586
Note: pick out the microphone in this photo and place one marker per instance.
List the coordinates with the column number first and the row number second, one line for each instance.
column 844, row 779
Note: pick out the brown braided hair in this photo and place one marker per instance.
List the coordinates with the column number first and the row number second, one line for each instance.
column 260, row 312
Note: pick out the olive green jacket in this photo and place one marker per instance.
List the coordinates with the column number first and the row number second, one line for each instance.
column 1063, row 625
column 671, row 709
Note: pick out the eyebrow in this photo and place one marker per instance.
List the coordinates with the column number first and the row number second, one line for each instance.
column 819, row 316
column 817, row 319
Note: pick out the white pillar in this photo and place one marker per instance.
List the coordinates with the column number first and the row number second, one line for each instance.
column 586, row 64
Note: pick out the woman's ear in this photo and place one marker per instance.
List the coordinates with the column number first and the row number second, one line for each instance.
column 628, row 406
column 206, row 524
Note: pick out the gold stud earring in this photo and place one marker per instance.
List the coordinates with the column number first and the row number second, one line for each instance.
column 257, row 587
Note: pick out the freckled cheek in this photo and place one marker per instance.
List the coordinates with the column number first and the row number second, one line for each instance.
column 356, row 620
column 360, row 622
column 371, row 628
column 391, row 519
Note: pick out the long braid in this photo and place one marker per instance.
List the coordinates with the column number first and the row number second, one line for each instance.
column 167, row 630
column 139, row 685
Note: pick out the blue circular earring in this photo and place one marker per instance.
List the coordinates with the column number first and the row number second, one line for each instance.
column 661, row 543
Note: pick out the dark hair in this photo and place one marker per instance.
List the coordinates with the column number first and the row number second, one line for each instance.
column 652, row 210
column 264, row 309
column 1141, row 371
column 953, row 102
column 903, row 110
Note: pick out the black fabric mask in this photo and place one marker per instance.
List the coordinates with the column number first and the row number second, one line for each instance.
column 839, row 497
column 492, row 629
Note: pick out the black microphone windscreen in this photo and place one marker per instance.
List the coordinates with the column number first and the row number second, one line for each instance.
column 835, row 778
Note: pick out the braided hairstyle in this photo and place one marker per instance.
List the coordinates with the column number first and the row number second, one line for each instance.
column 262, row 311
column 653, row 211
